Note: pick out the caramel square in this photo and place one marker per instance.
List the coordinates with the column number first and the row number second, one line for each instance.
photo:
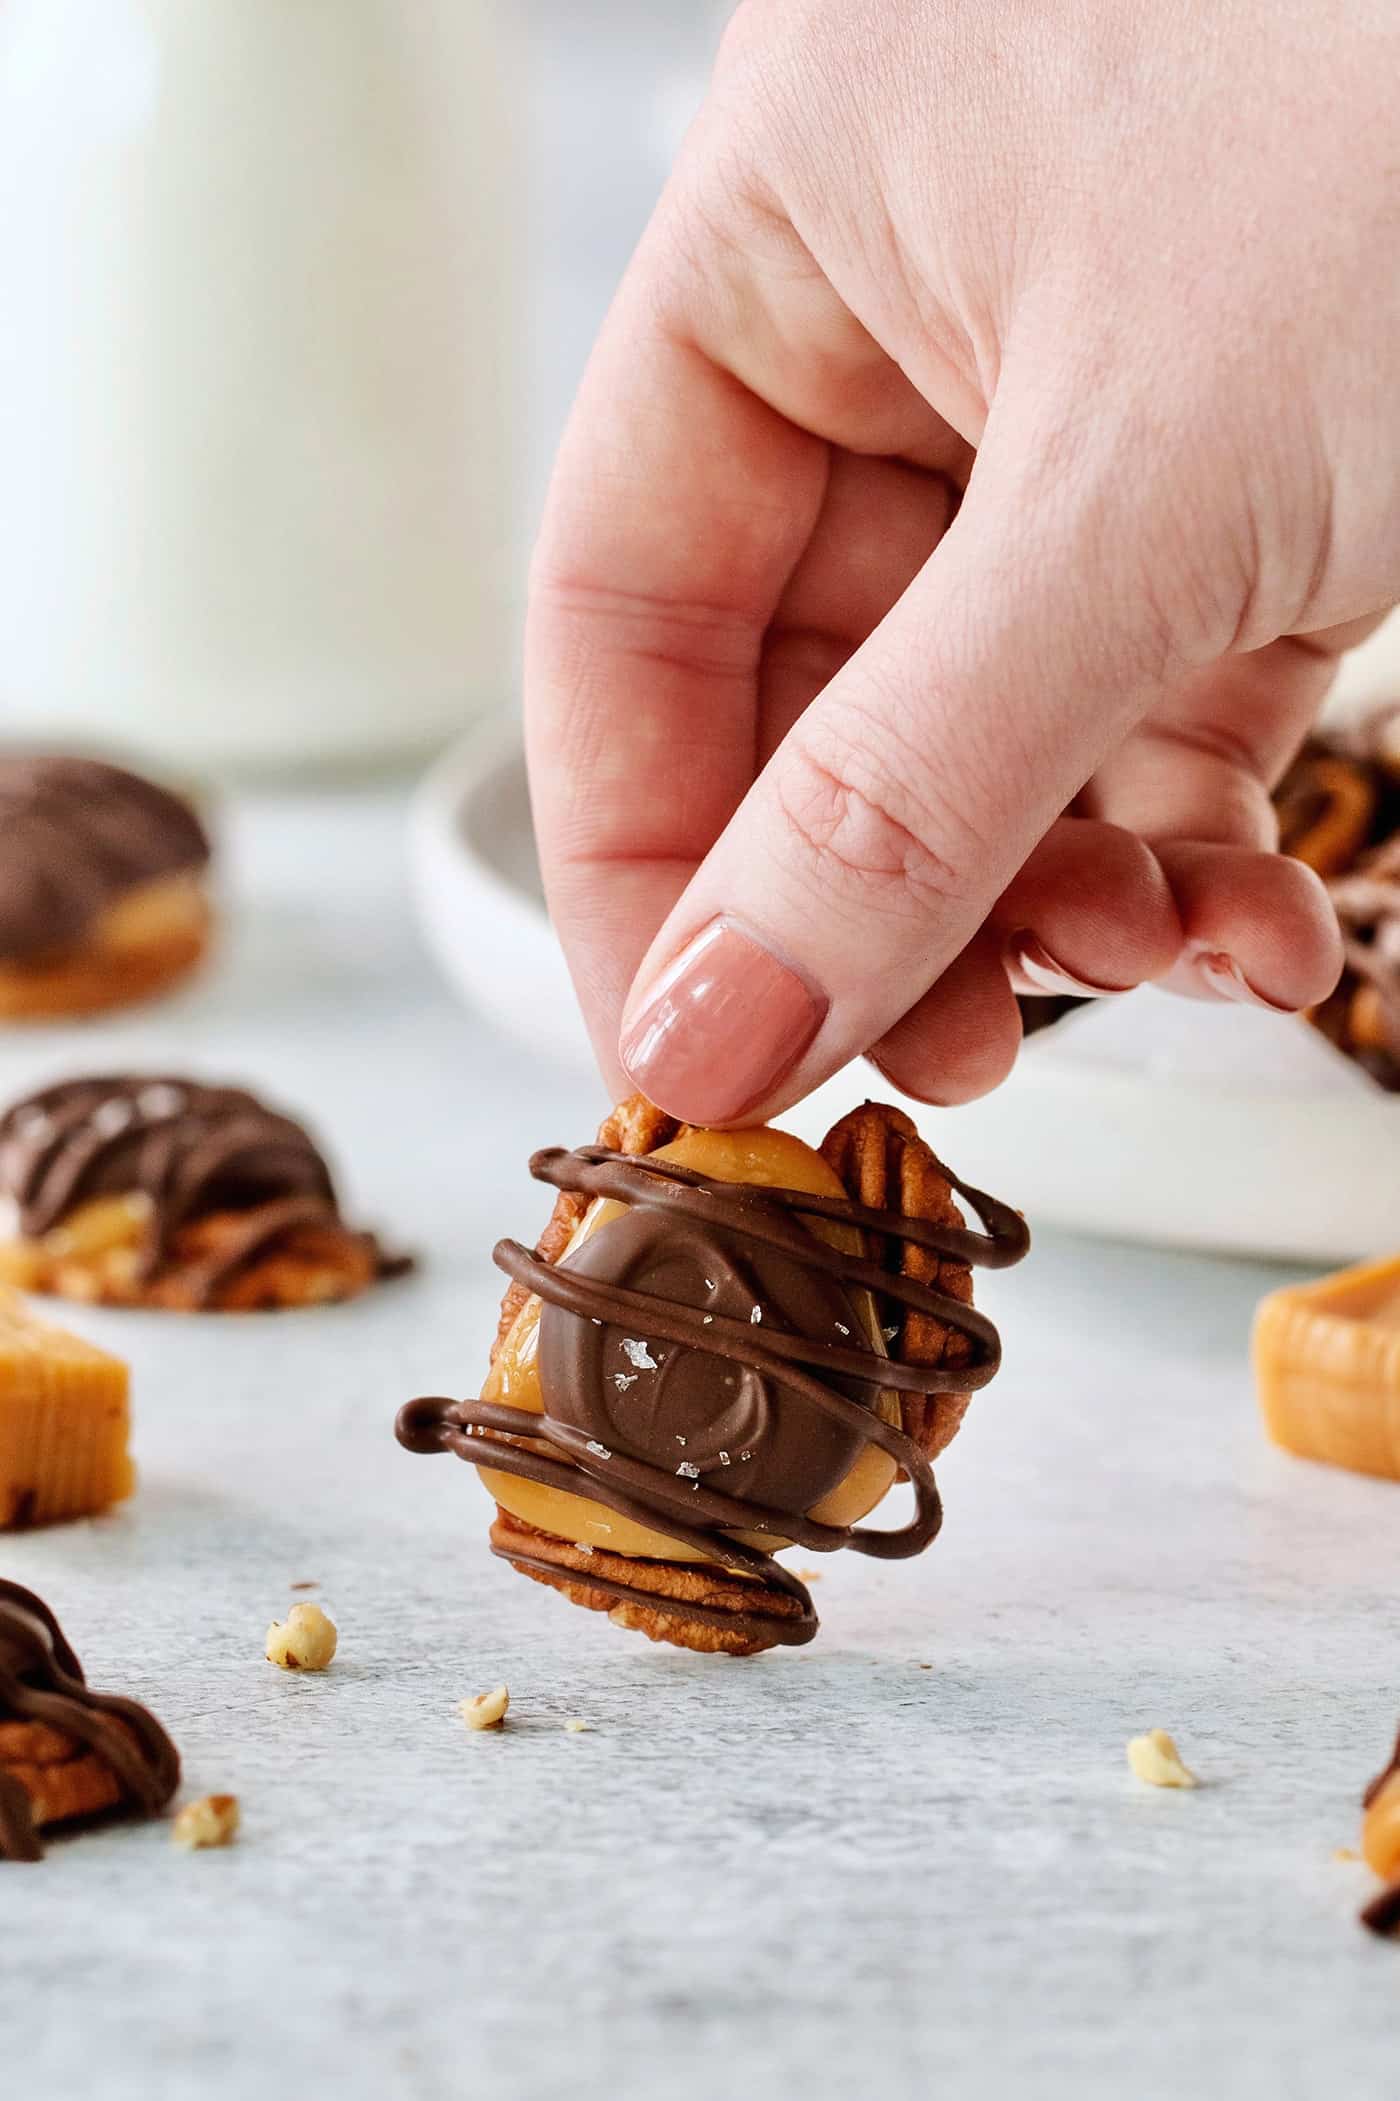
column 1327, row 1362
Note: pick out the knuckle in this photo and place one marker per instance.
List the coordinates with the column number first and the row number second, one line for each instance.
column 867, row 831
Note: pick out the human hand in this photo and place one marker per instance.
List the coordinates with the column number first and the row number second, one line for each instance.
column 989, row 452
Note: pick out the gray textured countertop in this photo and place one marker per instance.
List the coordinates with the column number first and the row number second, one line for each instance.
column 822, row 1874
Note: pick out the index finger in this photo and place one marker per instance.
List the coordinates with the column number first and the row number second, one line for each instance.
column 679, row 507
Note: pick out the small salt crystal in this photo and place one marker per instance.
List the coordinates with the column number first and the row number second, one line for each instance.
column 841, row 1328
column 705, row 1319
column 638, row 1354
column 160, row 1100
column 746, row 1455
column 623, row 1379
column 756, row 1316
column 680, row 1440
column 710, row 1284
column 595, row 1320
column 599, row 1451
column 108, row 1118
column 688, row 1470
column 581, row 1546
column 890, row 1333
column 724, row 1458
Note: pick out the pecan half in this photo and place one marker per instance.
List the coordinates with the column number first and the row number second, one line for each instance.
column 884, row 1163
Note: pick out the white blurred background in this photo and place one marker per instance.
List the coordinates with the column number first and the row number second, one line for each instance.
column 293, row 298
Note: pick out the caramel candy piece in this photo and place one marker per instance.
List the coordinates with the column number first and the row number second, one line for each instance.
column 64, row 1422
column 771, row 1331
column 1327, row 1361
column 139, row 1190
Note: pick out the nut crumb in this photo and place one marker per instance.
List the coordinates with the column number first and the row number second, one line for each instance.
column 1345, row 1853
column 303, row 1586
column 485, row 1710
column 808, row 1575
column 1156, row 1761
column 306, row 1641
column 211, row 1822
column 575, row 1727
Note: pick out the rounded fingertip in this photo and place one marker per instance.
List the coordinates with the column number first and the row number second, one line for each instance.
column 1090, row 915
column 961, row 1039
column 1260, row 928
column 1222, row 978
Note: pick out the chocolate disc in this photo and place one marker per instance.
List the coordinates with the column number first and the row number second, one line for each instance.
column 700, row 1415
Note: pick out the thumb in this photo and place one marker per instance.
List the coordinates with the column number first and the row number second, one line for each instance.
column 879, row 836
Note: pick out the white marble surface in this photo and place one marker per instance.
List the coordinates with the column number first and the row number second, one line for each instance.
column 826, row 1873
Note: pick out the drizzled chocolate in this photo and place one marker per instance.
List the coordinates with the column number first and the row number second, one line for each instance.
column 76, row 835
column 41, row 1681
column 706, row 1368
column 190, row 1149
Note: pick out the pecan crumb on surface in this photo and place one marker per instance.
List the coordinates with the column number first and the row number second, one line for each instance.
column 305, row 1641
column 485, row 1710
column 213, row 1821
column 1156, row 1761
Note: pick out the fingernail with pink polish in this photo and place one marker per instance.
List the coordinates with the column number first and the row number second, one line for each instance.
column 1030, row 960
column 720, row 1028
column 1223, row 979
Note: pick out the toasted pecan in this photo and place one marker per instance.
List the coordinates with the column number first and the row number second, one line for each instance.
column 664, row 1596
column 61, row 1777
column 884, row 1163
column 312, row 1262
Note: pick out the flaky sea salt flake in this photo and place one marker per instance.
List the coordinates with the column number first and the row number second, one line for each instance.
column 638, row 1354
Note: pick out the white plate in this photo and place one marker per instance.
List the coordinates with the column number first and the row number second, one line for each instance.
column 1193, row 1124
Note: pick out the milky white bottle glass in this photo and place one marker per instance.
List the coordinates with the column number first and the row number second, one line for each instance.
column 253, row 504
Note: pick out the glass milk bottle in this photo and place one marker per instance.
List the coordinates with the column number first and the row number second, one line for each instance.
column 253, row 503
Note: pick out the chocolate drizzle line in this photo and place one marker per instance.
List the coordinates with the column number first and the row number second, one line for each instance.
column 689, row 1510
column 788, row 1631
column 41, row 1680
column 190, row 1148
column 192, row 1151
